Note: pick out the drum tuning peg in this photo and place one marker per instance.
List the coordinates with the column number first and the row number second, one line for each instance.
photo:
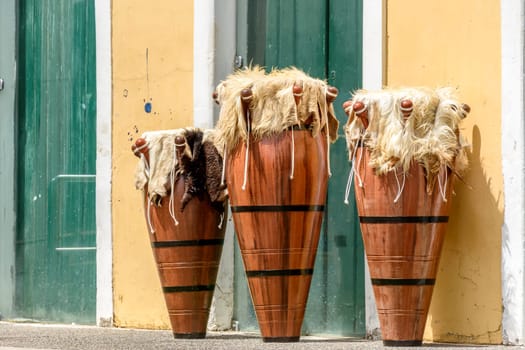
column 347, row 105
column 246, row 99
column 297, row 93
column 406, row 106
column 361, row 111
column 331, row 94
column 465, row 108
column 139, row 147
column 215, row 97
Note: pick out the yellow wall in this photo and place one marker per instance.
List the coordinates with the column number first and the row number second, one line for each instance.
column 163, row 29
column 457, row 43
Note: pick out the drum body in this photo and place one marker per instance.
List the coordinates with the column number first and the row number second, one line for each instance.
column 187, row 257
column 278, row 221
column 403, row 241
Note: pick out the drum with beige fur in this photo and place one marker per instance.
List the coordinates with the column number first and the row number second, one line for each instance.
column 405, row 149
column 275, row 130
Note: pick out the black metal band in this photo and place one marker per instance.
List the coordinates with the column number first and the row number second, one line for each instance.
column 196, row 288
column 270, row 273
column 273, row 208
column 187, row 243
column 403, row 281
column 402, row 219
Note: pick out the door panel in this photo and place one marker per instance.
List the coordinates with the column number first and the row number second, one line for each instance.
column 323, row 38
column 55, row 247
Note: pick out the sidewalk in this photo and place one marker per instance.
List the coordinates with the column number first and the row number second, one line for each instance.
column 16, row 336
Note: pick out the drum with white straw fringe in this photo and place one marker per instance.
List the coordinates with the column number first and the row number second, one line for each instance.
column 405, row 147
column 179, row 172
column 275, row 130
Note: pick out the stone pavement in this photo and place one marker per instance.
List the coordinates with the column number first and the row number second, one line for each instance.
column 31, row 336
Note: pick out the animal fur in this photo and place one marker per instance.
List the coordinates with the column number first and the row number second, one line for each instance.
column 273, row 108
column 430, row 135
column 199, row 164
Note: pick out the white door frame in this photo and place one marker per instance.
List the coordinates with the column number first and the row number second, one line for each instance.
column 513, row 163
column 104, row 308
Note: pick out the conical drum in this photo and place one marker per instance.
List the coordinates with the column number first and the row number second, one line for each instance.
column 403, row 241
column 186, row 224
column 405, row 147
column 278, row 221
column 276, row 172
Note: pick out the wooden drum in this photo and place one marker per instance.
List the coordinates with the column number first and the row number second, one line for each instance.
column 278, row 221
column 276, row 130
column 404, row 147
column 186, row 245
column 403, row 241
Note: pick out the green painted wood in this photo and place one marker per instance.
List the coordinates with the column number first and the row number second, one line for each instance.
column 322, row 37
column 55, row 247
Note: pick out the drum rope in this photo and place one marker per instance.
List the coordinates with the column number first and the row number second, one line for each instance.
column 400, row 187
column 293, row 156
column 443, row 186
column 148, row 218
column 361, row 150
column 223, row 173
column 221, row 222
column 353, row 169
column 171, row 205
column 247, row 151
column 327, row 133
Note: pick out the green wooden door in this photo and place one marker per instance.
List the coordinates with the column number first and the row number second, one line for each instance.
column 322, row 37
column 56, row 231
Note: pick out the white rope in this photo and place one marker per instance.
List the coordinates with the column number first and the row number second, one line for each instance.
column 349, row 185
column 400, row 187
column 223, row 174
column 293, row 156
column 222, row 220
column 351, row 173
column 171, row 205
column 148, row 217
column 327, row 133
column 359, row 162
column 443, row 187
column 247, row 152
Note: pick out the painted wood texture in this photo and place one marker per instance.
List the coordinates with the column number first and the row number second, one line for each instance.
column 278, row 220
column 56, row 156
column 187, row 257
column 403, row 241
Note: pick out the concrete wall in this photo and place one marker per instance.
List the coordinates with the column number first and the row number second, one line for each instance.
column 457, row 43
column 152, row 62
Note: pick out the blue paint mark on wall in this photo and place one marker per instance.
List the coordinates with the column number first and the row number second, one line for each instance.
column 147, row 107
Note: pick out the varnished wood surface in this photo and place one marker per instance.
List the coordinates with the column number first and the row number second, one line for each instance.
column 187, row 257
column 403, row 242
column 278, row 221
